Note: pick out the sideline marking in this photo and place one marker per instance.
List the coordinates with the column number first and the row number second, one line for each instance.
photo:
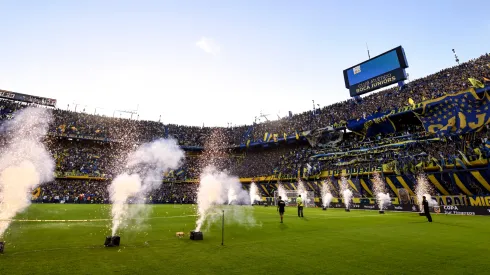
column 94, row 220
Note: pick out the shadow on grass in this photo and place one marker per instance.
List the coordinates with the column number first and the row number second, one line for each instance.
column 442, row 223
column 283, row 226
column 449, row 224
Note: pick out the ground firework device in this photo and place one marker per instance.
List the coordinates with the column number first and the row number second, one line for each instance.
column 196, row 236
column 112, row 241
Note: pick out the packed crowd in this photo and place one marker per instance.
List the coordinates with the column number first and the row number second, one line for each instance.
column 291, row 162
column 86, row 144
column 449, row 80
column 92, row 191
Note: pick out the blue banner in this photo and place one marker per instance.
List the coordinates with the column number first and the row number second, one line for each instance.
column 373, row 125
column 456, row 114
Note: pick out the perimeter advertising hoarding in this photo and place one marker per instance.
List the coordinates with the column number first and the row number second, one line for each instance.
column 443, row 209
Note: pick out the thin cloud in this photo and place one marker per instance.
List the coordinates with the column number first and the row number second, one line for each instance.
column 209, row 45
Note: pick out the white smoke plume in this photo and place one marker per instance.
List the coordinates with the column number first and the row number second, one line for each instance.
column 232, row 196
column 254, row 193
column 282, row 192
column 144, row 173
column 24, row 162
column 346, row 192
column 214, row 191
column 122, row 187
column 303, row 192
column 382, row 197
column 422, row 189
column 326, row 193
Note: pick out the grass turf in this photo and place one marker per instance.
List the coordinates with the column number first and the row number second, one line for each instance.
column 324, row 242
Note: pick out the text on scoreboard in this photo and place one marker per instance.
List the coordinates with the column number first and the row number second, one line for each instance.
column 383, row 70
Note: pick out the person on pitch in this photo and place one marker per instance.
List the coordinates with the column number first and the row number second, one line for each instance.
column 280, row 207
column 299, row 201
column 425, row 203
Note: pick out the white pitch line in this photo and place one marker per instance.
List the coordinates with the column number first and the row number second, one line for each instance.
column 93, row 220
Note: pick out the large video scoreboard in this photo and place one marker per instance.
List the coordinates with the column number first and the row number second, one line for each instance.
column 380, row 71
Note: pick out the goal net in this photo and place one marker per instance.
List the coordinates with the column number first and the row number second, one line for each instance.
column 289, row 196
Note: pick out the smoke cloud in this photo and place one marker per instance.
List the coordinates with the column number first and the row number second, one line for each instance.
column 303, row 192
column 326, row 194
column 346, row 192
column 254, row 193
column 282, row 192
column 382, row 197
column 422, row 189
column 144, row 173
column 219, row 188
column 24, row 163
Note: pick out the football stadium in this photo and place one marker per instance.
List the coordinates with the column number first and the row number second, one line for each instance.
column 394, row 179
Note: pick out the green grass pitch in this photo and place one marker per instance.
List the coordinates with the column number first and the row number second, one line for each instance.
column 324, row 242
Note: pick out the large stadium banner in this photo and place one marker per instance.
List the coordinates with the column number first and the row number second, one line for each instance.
column 380, row 71
column 28, row 98
column 459, row 113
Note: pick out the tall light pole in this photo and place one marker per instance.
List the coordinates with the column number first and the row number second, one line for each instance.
column 456, row 58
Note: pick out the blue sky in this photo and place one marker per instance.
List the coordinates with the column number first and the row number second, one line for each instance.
column 221, row 61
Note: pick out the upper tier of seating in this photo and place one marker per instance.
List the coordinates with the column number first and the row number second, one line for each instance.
column 449, row 80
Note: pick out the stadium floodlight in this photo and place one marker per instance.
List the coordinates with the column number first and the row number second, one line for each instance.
column 2, row 246
column 196, row 236
column 112, row 241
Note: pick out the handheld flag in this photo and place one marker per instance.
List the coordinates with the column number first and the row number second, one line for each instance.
column 476, row 83
column 411, row 102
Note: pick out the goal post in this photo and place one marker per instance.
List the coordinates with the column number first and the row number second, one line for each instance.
column 289, row 196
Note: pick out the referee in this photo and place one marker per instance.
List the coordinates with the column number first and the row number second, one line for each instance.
column 299, row 201
column 280, row 207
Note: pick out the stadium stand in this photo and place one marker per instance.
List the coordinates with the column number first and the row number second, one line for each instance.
column 398, row 139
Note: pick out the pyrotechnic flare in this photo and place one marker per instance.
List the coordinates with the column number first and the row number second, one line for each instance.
column 326, row 194
column 232, row 197
column 346, row 192
column 282, row 192
column 144, row 173
column 24, row 162
column 423, row 188
column 303, row 192
column 382, row 197
column 214, row 191
column 217, row 188
column 254, row 193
